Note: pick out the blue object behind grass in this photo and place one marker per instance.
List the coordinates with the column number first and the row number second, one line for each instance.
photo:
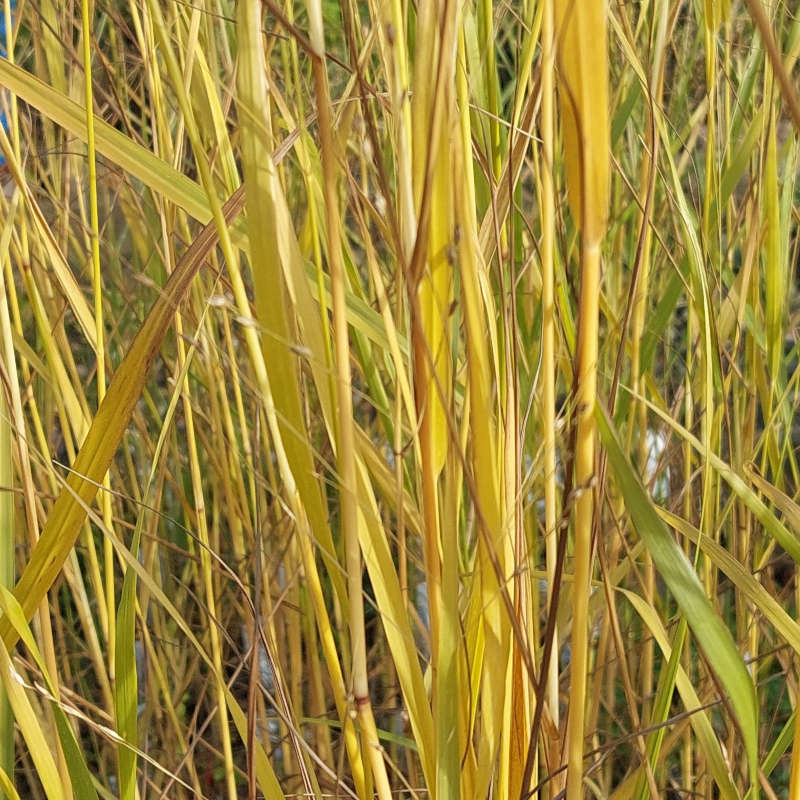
column 3, row 24
column 4, row 103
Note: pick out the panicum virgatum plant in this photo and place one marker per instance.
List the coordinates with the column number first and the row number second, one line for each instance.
column 399, row 399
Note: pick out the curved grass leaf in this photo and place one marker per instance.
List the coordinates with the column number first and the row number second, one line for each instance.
column 785, row 538
column 167, row 182
column 82, row 784
column 69, row 512
column 744, row 581
column 7, row 787
column 699, row 720
column 682, row 581
column 265, row 775
column 30, row 726
column 126, row 686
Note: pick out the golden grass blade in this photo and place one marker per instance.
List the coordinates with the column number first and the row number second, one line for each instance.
column 429, row 287
column 583, row 90
column 490, row 652
column 547, row 204
column 7, row 787
column 450, row 738
column 30, row 726
column 99, row 323
column 82, row 786
column 267, row 780
column 126, row 684
column 389, row 600
column 273, row 255
column 65, row 520
column 7, row 517
column 773, row 260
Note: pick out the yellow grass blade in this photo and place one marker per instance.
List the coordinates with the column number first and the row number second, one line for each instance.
column 582, row 49
column 30, row 726
column 68, row 514
column 82, row 786
column 7, row 787
column 583, row 91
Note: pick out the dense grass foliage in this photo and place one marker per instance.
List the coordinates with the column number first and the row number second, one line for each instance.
column 399, row 399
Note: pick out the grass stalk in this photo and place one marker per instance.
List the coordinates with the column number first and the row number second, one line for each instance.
column 99, row 325
column 7, row 560
column 345, row 434
column 583, row 58
column 584, row 513
column 548, row 336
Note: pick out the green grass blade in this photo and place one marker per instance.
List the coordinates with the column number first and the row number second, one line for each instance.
column 82, row 784
column 706, row 736
column 682, row 581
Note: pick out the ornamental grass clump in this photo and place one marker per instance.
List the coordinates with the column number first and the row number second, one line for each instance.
column 399, row 399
